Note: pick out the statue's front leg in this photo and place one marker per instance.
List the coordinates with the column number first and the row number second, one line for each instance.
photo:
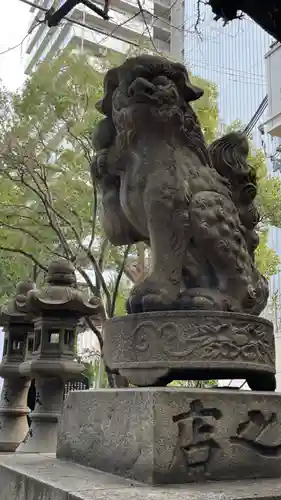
column 165, row 206
column 117, row 227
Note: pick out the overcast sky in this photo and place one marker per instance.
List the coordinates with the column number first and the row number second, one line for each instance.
column 14, row 19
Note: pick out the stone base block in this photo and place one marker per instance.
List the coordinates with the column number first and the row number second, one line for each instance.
column 173, row 435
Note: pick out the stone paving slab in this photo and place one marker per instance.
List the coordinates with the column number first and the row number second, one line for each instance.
column 66, row 476
column 43, row 477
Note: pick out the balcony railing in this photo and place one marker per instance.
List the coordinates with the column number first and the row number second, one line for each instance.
column 162, row 25
column 162, row 46
column 163, row 3
column 273, row 67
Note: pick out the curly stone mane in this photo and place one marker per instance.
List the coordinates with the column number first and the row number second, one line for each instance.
column 229, row 156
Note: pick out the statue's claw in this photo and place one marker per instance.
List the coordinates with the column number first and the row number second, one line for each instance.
column 207, row 299
column 149, row 296
column 149, row 303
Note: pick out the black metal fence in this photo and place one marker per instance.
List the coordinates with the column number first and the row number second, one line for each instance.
column 81, row 384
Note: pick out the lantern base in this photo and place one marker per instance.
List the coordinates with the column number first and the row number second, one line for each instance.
column 42, row 435
column 13, row 413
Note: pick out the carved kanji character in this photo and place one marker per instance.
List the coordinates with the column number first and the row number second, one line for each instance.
column 195, row 437
column 260, row 432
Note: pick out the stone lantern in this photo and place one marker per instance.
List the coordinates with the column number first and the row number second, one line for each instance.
column 57, row 309
column 18, row 328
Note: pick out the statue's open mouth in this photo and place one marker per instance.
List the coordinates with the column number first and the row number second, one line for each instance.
column 142, row 91
column 142, row 98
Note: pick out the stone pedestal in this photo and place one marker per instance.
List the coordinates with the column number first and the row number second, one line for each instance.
column 173, row 435
column 152, row 349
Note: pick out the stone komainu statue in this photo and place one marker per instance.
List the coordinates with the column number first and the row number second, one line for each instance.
column 160, row 183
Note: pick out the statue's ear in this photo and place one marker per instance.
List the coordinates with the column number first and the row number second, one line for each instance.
column 191, row 92
column 111, row 82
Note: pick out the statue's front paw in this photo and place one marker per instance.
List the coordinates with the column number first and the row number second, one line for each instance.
column 205, row 299
column 99, row 164
column 148, row 303
column 149, row 296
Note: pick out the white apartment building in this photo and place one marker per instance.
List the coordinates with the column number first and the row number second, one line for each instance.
column 273, row 73
column 272, row 127
column 87, row 340
column 126, row 27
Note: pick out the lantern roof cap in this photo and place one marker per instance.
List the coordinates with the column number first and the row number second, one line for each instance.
column 17, row 308
column 61, row 293
column 61, row 272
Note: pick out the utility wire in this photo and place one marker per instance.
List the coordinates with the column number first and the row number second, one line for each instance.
column 142, row 11
column 131, row 18
column 55, row 16
column 234, row 73
column 94, row 29
column 147, row 28
column 82, row 25
column 165, row 21
column 131, row 42
column 32, row 4
column 256, row 117
column 134, row 16
column 23, row 40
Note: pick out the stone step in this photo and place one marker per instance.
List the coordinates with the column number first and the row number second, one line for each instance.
column 43, row 477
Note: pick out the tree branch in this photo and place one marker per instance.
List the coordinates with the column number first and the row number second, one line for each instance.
column 118, row 279
column 84, row 148
column 94, row 218
column 86, row 278
column 96, row 331
column 25, row 254
column 32, row 236
column 27, row 218
column 47, row 203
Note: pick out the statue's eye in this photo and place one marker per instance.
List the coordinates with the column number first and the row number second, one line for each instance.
column 161, row 80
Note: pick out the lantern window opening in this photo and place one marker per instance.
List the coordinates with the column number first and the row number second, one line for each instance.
column 54, row 336
column 5, row 350
column 30, row 344
column 17, row 347
column 37, row 340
